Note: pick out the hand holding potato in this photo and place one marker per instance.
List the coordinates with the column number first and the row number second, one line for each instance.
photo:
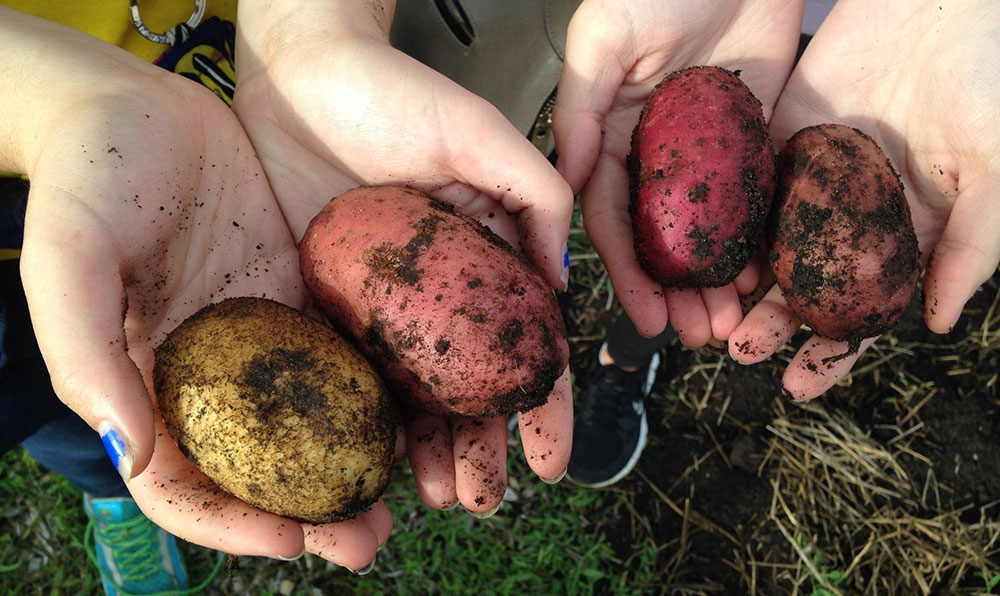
column 615, row 53
column 330, row 106
column 146, row 203
column 920, row 78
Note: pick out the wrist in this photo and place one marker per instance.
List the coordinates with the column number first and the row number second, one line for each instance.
column 267, row 28
column 56, row 72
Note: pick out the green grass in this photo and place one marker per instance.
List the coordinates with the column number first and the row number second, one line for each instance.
column 41, row 531
column 545, row 551
column 542, row 544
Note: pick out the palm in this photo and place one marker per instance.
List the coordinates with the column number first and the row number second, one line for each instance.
column 168, row 210
column 918, row 80
column 181, row 201
column 599, row 106
column 399, row 123
column 358, row 112
column 734, row 35
column 909, row 96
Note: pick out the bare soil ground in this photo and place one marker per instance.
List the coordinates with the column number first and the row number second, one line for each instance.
column 888, row 484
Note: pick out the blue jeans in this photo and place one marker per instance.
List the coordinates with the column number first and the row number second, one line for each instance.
column 31, row 413
column 69, row 447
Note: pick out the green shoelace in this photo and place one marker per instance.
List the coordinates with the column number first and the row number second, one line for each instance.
column 140, row 553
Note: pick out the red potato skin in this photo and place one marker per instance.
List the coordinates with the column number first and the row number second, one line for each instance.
column 455, row 319
column 701, row 178
column 843, row 248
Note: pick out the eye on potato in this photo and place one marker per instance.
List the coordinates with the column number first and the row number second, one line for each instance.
column 277, row 409
column 843, row 248
column 454, row 318
column 701, row 178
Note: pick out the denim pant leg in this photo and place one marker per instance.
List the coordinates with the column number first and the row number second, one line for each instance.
column 71, row 448
column 56, row 437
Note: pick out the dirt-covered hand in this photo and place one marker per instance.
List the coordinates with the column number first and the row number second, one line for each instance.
column 921, row 79
column 329, row 106
column 146, row 203
column 615, row 53
column 464, row 460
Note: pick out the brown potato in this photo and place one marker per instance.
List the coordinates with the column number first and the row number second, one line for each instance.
column 843, row 248
column 277, row 409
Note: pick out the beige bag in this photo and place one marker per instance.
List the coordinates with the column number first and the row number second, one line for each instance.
column 509, row 52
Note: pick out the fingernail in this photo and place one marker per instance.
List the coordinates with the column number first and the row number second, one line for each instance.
column 564, row 274
column 118, row 448
column 295, row 558
column 450, row 507
column 554, row 480
column 365, row 570
column 486, row 514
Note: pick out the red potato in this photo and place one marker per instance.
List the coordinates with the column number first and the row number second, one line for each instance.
column 701, row 178
column 455, row 319
column 843, row 248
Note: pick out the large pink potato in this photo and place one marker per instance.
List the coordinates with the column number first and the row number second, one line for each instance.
column 843, row 248
column 701, row 178
column 455, row 319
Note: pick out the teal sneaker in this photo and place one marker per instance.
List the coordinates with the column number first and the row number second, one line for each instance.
column 134, row 555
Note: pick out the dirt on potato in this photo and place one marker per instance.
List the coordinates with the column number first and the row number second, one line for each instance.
column 701, row 178
column 843, row 247
column 456, row 319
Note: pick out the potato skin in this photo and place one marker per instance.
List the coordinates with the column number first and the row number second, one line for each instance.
column 277, row 409
column 843, row 248
column 454, row 318
column 701, row 178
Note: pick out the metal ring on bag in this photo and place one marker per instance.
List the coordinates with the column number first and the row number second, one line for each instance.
column 167, row 38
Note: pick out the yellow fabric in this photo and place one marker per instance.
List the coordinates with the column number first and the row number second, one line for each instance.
column 111, row 21
column 186, row 64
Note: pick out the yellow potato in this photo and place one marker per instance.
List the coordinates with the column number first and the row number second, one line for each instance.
column 277, row 409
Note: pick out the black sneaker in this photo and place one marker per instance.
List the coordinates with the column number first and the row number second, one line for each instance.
column 609, row 429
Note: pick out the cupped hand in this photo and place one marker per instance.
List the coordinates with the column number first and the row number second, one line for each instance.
column 329, row 106
column 616, row 52
column 921, row 79
column 146, row 203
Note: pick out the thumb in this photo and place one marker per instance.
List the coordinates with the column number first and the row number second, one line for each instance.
column 592, row 73
column 77, row 304
column 505, row 166
column 963, row 259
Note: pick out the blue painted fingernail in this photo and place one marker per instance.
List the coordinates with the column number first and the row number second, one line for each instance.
column 118, row 448
column 564, row 274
